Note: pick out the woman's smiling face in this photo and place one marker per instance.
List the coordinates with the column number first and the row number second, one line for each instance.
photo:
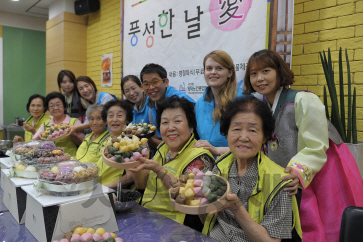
column 264, row 80
column 174, row 128
column 36, row 107
column 67, row 85
column 245, row 136
column 86, row 90
column 215, row 74
column 116, row 119
column 96, row 122
column 56, row 108
column 133, row 92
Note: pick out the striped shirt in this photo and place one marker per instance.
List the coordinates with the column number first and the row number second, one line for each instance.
column 277, row 220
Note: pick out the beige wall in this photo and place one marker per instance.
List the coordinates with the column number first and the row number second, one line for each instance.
column 66, row 47
column 103, row 37
column 319, row 25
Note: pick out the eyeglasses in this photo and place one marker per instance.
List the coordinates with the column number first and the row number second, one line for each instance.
column 154, row 83
column 58, row 105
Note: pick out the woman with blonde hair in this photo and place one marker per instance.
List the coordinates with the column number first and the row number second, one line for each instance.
column 220, row 75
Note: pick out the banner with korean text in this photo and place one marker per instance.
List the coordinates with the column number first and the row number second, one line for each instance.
column 177, row 34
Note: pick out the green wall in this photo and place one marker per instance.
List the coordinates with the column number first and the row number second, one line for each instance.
column 24, row 69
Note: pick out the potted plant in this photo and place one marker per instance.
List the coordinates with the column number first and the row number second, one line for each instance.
column 346, row 128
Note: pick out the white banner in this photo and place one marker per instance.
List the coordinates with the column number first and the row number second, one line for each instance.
column 177, row 34
column 1, row 86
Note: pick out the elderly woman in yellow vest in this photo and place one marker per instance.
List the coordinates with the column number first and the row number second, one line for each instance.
column 56, row 104
column 36, row 108
column 116, row 113
column 91, row 148
column 174, row 156
column 258, row 208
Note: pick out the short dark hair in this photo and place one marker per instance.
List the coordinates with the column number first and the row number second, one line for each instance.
column 153, row 68
column 268, row 58
column 174, row 102
column 71, row 76
column 129, row 78
column 85, row 79
column 54, row 95
column 32, row 97
column 121, row 103
column 248, row 104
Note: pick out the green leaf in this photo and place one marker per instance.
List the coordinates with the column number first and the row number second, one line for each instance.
column 354, row 117
column 329, row 76
column 349, row 128
column 341, row 89
column 326, row 103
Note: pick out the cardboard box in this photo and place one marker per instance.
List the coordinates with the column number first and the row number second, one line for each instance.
column 4, row 179
column 48, row 217
column 14, row 197
column 6, row 162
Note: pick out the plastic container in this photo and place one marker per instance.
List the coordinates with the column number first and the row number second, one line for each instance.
column 25, row 170
column 6, row 145
column 128, row 200
column 67, row 178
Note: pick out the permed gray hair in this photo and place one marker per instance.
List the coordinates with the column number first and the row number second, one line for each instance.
column 92, row 108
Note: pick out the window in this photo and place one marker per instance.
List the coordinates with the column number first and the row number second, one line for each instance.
column 280, row 29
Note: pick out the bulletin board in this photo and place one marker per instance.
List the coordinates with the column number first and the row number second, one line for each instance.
column 178, row 34
column 23, row 70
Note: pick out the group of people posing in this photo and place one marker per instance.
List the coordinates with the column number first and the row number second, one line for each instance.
column 290, row 175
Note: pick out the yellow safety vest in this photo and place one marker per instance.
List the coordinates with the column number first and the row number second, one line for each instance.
column 91, row 151
column 268, row 184
column 42, row 119
column 156, row 196
column 67, row 143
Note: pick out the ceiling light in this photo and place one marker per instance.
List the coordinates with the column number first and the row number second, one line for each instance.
column 15, row 0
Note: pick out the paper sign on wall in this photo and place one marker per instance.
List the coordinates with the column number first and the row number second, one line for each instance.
column 106, row 70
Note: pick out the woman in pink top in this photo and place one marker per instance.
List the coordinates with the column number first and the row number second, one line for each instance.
column 56, row 104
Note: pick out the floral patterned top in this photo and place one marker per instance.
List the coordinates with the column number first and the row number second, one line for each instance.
column 204, row 163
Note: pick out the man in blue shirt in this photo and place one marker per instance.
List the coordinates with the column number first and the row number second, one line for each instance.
column 155, row 84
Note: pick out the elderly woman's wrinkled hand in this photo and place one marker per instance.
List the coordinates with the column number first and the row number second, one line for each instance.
column 18, row 139
column 29, row 127
column 72, row 129
column 71, row 133
column 147, row 164
column 41, row 137
column 294, row 184
column 233, row 204
column 206, row 145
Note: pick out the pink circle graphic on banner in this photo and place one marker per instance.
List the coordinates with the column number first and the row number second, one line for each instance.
column 228, row 15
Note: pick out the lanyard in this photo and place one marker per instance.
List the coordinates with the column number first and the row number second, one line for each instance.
column 69, row 102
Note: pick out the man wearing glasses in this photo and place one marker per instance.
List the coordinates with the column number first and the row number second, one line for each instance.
column 156, row 85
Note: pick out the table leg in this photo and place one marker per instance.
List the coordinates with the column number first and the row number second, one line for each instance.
column 5, row 132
